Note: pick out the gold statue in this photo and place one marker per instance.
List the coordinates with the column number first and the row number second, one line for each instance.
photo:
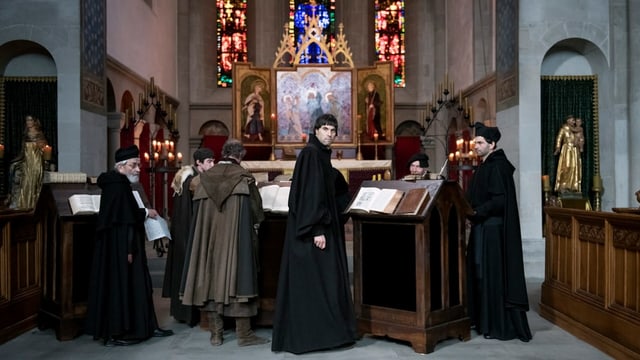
column 569, row 173
column 26, row 170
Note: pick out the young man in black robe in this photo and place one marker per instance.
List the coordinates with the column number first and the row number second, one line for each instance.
column 497, row 290
column 181, row 219
column 120, row 306
column 314, row 307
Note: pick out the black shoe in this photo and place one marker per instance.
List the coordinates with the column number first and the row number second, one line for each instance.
column 162, row 333
column 121, row 342
column 487, row 336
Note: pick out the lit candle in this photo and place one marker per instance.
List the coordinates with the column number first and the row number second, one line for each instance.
column 273, row 121
column 458, row 155
column 451, row 157
column 171, row 157
column 156, row 156
column 375, row 136
column 46, row 153
column 171, row 146
column 304, row 137
column 179, row 157
column 546, row 185
column 459, row 144
column 470, row 154
column 146, row 156
column 1, row 151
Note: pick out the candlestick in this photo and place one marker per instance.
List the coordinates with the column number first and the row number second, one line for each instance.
column 546, row 185
column 179, row 157
column 597, row 182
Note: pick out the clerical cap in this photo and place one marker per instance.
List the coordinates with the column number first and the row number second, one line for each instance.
column 422, row 158
column 491, row 134
column 129, row 152
column 202, row 154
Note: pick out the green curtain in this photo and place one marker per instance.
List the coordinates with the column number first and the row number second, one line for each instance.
column 570, row 95
column 19, row 97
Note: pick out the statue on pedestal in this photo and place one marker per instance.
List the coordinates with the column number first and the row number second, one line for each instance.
column 26, row 170
column 569, row 172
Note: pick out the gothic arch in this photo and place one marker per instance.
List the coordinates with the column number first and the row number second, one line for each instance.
column 213, row 127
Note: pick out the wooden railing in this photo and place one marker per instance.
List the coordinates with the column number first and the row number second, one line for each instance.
column 592, row 278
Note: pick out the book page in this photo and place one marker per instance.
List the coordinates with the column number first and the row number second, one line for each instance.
column 156, row 228
column 268, row 194
column 386, row 201
column 412, row 201
column 281, row 201
column 84, row 204
column 364, row 199
column 136, row 194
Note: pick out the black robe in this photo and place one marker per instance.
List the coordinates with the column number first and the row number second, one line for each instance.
column 120, row 301
column 497, row 290
column 181, row 219
column 314, row 307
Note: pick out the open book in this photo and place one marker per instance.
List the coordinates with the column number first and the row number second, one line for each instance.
column 372, row 199
column 412, row 201
column 389, row 201
column 275, row 196
column 82, row 204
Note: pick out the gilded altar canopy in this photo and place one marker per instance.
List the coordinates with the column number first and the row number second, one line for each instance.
column 491, row 134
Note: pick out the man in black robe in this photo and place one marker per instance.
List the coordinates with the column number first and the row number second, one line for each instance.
column 314, row 307
column 120, row 306
column 182, row 215
column 495, row 271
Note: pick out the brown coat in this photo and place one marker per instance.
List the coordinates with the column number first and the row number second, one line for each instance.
column 223, row 265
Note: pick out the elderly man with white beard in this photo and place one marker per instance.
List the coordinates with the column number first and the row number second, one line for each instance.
column 120, row 305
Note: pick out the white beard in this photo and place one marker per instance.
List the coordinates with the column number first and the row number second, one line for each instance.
column 133, row 178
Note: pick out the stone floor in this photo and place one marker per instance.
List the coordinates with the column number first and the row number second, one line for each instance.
column 549, row 342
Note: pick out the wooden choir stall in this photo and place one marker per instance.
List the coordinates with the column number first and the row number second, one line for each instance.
column 409, row 270
column 592, row 278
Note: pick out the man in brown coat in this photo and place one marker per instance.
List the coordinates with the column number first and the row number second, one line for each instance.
column 222, row 272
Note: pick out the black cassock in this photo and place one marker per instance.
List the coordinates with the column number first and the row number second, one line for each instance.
column 181, row 223
column 314, row 307
column 495, row 271
column 120, row 294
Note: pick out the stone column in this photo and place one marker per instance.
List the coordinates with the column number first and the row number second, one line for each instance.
column 633, row 66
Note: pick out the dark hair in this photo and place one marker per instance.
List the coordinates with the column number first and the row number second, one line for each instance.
column 233, row 148
column 326, row 119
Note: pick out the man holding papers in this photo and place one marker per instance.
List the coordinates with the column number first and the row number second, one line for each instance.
column 120, row 306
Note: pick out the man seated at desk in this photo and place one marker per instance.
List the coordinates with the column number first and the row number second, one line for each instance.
column 418, row 165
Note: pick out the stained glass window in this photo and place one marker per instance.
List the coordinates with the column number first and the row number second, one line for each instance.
column 231, row 37
column 299, row 13
column 389, row 30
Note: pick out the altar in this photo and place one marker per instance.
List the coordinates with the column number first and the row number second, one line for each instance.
column 354, row 171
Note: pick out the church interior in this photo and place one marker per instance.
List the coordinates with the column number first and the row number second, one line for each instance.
column 80, row 79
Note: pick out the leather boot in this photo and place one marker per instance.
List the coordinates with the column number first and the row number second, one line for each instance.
column 246, row 336
column 216, row 327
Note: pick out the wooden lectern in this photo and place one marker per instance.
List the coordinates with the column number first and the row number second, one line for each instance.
column 409, row 270
column 68, row 253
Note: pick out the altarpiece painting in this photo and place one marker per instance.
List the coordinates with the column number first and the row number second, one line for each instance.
column 278, row 106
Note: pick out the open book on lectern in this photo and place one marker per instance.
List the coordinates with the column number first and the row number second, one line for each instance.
column 389, row 201
column 275, row 196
